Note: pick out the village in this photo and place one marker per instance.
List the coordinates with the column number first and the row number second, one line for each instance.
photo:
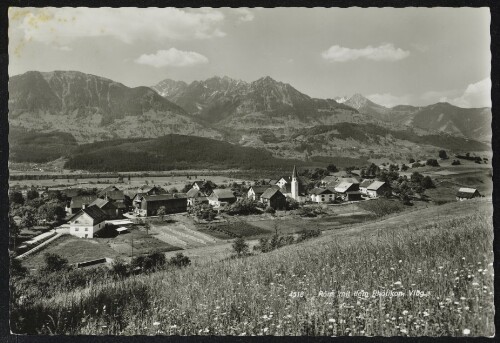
column 205, row 217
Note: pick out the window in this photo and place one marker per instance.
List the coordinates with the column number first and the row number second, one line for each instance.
column 77, row 229
column 86, row 229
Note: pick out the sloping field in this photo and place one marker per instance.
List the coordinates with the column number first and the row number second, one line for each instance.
column 425, row 273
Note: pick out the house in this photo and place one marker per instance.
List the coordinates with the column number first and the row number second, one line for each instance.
column 321, row 195
column 78, row 202
column 195, row 196
column 350, row 179
column 108, row 207
column 103, row 192
column 87, row 221
column 283, row 181
column 254, row 192
column 173, row 203
column 329, row 180
column 363, row 186
column 220, row 197
column 151, row 190
column 348, row 191
column 273, row 197
column 206, row 186
column 377, row 188
column 467, row 193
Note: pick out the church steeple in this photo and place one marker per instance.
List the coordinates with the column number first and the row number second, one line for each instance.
column 295, row 184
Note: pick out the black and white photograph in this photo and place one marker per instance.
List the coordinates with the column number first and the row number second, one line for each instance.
column 284, row 171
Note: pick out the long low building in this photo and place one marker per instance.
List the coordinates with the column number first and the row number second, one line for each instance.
column 149, row 205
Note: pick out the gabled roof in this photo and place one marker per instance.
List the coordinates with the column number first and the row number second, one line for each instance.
column 258, row 190
column 273, row 181
column 467, row 193
column 349, row 179
column 222, row 194
column 343, row 187
column 114, row 195
column 111, row 188
column 102, row 203
column 375, row 185
column 193, row 192
column 80, row 200
column 138, row 196
column 467, row 190
column 93, row 212
column 318, row 191
column 163, row 197
column 288, row 179
column 330, row 179
column 366, row 183
column 270, row 192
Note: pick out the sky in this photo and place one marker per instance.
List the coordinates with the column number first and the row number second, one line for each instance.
column 413, row 56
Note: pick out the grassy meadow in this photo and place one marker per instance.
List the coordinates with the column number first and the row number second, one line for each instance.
column 439, row 270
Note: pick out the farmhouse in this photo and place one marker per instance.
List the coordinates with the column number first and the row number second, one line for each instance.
column 173, row 203
column 377, row 188
column 254, row 192
column 108, row 207
column 220, row 197
column 78, row 202
column 467, row 193
column 206, row 186
column 363, row 186
column 195, row 196
column 348, row 191
column 329, row 180
column 86, row 222
column 321, row 195
column 103, row 191
column 273, row 197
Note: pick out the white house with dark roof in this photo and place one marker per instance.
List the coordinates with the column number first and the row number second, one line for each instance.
column 254, row 192
column 321, row 195
column 86, row 222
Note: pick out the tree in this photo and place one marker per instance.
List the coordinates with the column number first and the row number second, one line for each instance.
column 240, row 247
column 411, row 160
column 32, row 194
column 51, row 211
column 16, row 197
column 16, row 267
column 455, row 163
column 427, row 183
column 432, row 162
column 179, row 260
column 119, row 268
column 54, row 262
column 13, row 231
column 404, row 167
column 332, row 168
column 161, row 211
column 443, row 155
column 28, row 220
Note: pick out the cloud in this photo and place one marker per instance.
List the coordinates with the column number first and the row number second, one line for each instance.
column 384, row 52
column 63, row 25
column 172, row 58
column 244, row 14
column 475, row 95
column 389, row 100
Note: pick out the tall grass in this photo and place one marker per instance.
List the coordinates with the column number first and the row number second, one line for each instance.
column 277, row 293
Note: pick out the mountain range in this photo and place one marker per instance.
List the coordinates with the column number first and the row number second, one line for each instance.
column 264, row 113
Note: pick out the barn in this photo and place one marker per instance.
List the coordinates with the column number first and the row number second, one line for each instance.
column 173, row 203
column 273, row 197
column 467, row 193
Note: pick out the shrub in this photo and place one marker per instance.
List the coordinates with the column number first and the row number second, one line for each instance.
column 240, row 247
column 432, row 162
column 54, row 263
column 269, row 209
column 455, row 163
column 179, row 260
column 119, row 268
column 308, row 234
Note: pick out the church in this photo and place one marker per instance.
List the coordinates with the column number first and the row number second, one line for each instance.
column 292, row 187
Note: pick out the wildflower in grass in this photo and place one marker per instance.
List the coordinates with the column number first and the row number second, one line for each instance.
column 265, row 329
column 466, row 332
column 404, row 331
column 426, row 314
column 398, row 283
column 331, row 320
column 156, row 323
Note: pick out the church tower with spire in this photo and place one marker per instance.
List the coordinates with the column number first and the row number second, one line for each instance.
column 295, row 184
